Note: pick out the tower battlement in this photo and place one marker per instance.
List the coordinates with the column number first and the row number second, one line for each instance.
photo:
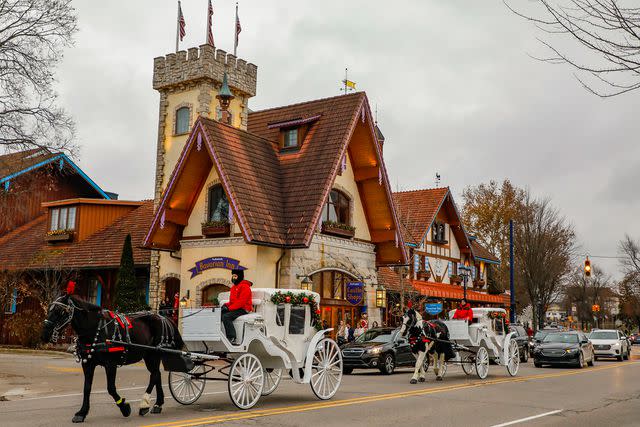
column 204, row 63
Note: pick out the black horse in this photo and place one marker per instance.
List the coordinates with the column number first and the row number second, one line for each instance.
column 95, row 329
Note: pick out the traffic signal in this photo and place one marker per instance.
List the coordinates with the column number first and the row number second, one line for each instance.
column 587, row 267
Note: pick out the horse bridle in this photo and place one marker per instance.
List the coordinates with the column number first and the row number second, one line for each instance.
column 69, row 308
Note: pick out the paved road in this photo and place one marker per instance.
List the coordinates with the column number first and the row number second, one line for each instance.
column 43, row 390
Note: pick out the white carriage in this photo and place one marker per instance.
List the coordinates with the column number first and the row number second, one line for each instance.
column 483, row 341
column 275, row 339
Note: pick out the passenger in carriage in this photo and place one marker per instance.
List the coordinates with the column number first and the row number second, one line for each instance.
column 464, row 312
column 240, row 303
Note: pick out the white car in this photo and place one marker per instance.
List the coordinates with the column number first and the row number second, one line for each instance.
column 610, row 343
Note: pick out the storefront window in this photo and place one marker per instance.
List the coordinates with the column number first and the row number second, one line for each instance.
column 330, row 284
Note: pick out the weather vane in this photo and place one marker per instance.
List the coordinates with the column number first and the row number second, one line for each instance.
column 348, row 84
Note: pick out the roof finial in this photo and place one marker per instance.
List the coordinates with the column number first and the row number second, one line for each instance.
column 438, row 177
column 225, row 96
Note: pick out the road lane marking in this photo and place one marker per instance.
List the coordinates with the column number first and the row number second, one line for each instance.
column 374, row 398
column 533, row 417
column 63, row 369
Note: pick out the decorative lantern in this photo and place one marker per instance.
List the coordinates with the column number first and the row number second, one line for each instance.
column 381, row 296
column 306, row 284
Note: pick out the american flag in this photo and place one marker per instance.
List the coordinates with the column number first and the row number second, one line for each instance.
column 238, row 29
column 181, row 24
column 209, row 23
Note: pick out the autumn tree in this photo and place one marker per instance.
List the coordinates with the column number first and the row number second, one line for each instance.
column 486, row 213
column 606, row 32
column 629, row 289
column 33, row 34
column 12, row 288
column 544, row 249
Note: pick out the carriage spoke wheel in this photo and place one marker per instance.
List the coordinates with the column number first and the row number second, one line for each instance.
column 468, row 364
column 482, row 363
column 246, row 381
column 513, row 359
column 326, row 369
column 272, row 378
column 186, row 388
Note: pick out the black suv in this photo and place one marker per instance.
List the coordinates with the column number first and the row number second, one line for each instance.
column 381, row 348
column 522, row 339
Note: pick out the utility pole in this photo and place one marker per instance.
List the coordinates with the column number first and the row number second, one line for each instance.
column 512, row 288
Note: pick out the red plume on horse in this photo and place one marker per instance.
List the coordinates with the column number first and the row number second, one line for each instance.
column 71, row 287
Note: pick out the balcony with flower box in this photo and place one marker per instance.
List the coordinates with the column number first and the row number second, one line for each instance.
column 54, row 236
column 216, row 228
column 338, row 229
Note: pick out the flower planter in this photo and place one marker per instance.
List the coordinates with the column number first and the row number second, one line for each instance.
column 60, row 237
column 337, row 231
column 216, row 230
column 424, row 275
column 456, row 280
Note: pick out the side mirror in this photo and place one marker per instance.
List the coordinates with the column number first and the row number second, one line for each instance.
column 584, row 342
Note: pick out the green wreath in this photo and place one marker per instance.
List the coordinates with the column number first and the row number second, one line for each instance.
column 300, row 299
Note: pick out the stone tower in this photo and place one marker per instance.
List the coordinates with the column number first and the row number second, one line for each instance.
column 190, row 81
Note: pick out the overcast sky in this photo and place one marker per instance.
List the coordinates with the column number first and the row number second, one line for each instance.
column 456, row 93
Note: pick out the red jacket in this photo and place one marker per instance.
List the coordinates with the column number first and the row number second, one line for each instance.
column 464, row 313
column 240, row 297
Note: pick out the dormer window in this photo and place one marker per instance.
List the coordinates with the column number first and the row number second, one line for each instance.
column 438, row 233
column 290, row 138
column 218, row 205
column 63, row 219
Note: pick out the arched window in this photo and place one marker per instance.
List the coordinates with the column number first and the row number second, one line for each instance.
column 182, row 120
column 218, row 209
column 337, row 208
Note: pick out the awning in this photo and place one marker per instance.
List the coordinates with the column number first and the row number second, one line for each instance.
column 442, row 290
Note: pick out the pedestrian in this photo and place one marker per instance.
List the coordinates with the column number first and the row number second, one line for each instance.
column 350, row 332
column 464, row 311
column 529, row 330
column 340, row 335
column 364, row 321
column 240, row 303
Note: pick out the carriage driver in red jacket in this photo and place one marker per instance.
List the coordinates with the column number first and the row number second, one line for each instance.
column 240, row 303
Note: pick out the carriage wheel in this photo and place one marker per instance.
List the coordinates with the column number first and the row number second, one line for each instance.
column 326, row 369
column 186, row 388
column 272, row 378
column 482, row 363
column 513, row 358
column 468, row 364
column 246, row 381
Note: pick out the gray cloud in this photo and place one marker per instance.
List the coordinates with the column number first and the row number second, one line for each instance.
column 455, row 89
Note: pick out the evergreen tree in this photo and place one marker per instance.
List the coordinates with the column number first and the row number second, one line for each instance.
column 129, row 297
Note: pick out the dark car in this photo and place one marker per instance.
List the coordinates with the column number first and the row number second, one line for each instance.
column 563, row 348
column 522, row 339
column 634, row 339
column 378, row 348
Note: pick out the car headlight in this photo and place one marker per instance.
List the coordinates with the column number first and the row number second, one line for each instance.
column 571, row 350
column 374, row 350
column 617, row 344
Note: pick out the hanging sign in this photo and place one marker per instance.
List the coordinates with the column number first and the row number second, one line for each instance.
column 433, row 308
column 215, row 262
column 355, row 292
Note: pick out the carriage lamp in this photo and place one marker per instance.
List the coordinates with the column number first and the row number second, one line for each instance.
column 184, row 300
column 305, row 284
column 381, row 296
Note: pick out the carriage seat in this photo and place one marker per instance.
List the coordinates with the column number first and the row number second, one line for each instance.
column 240, row 322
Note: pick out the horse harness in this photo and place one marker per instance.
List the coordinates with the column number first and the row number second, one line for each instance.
column 121, row 326
column 418, row 339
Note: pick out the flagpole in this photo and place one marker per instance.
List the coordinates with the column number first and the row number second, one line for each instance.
column 235, row 34
column 178, row 27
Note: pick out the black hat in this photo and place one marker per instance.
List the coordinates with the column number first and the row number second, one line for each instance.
column 239, row 273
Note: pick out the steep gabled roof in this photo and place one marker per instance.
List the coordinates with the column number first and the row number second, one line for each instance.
column 482, row 253
column 418, row 209
column 276, row 196
column 13, row 165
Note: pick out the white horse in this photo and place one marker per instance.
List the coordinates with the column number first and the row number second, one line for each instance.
column 424, row 339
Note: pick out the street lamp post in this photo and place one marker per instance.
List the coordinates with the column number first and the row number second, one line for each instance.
column 465, row 276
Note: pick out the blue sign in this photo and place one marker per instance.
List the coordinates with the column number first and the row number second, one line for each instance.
column 215, row 262
column 355, row 292
column 433, row 308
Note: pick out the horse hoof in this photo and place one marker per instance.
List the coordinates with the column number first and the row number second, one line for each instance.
column 438, row 378
column 126, row 410
column 156, row 409
column 143, row 411
column 413, row 381
column 422, row 380
column 78, row 419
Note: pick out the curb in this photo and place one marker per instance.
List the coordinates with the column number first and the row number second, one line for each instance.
column 20, row 350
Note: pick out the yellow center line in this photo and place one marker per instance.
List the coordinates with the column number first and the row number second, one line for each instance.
column 63, row 369
column 374, row 398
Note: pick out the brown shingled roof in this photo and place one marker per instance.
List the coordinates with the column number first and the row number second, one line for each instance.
column 480, row 251
column 417, row 209
column 276, row 196
column 16, row 162
column 25, row 247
